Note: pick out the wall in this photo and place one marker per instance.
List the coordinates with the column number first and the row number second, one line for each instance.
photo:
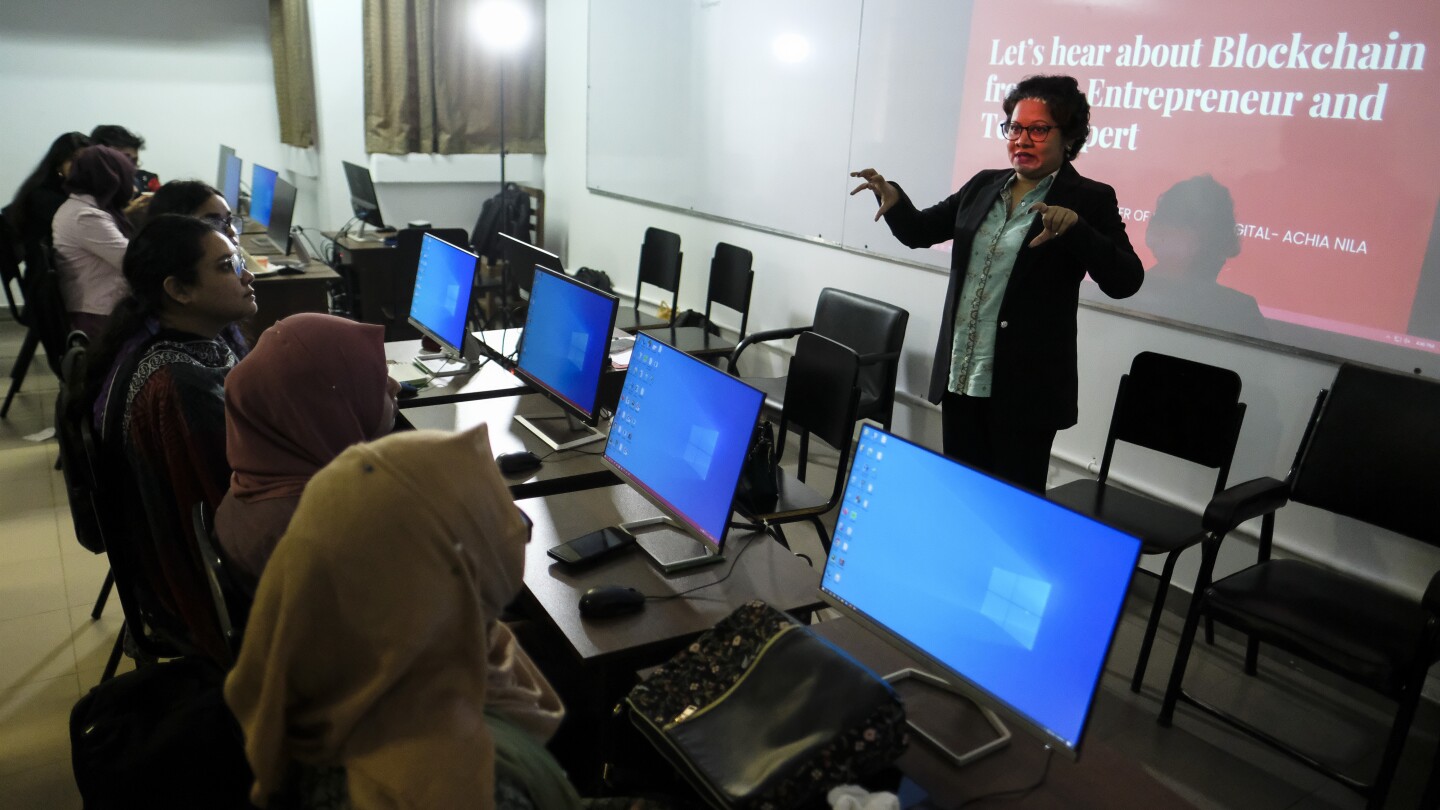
column 605, row 233
column 186, row 76
column 445, row 190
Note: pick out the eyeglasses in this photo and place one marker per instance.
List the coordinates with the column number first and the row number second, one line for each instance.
column 1038, row 132
column 220, row 222
column 235, row 262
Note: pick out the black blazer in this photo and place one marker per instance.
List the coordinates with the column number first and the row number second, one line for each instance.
column 1035, row 355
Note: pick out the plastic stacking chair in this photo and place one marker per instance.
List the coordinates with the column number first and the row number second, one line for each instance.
column 1369, row 453
column 1182, row 408
column 731, row 280
column 660, row 260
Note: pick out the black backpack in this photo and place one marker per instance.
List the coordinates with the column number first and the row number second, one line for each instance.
column 507, row 212
column 160, row 736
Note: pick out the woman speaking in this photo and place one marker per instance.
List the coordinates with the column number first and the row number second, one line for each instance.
column 1005, row 363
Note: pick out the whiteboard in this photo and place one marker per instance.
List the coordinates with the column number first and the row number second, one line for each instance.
column 756, row 112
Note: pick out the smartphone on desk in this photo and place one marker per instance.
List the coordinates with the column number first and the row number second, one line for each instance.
column 591, row 547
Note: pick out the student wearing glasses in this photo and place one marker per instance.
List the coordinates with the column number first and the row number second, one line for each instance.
column 156, row 380
column 1025, row 237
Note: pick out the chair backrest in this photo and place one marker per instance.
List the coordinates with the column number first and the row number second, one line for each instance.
column 731, row 281
column 1180, row 407
column 537, row 214
column 74, row 463
column 869, row 327
column 822, row 391
column 407, row 257
column 10, row 270
column 660, row 260
column 1371, row 452
column 44, row 304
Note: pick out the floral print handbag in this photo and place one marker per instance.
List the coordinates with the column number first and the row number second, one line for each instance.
column 761, row 713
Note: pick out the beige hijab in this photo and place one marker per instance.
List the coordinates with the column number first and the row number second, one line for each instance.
column 374, row 641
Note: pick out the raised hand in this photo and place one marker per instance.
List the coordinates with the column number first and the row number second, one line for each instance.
column 885, row 193
column 1055, row 221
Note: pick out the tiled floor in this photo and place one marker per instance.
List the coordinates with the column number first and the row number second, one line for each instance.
column 51, row 652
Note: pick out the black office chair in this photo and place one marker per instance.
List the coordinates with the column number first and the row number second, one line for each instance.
column 731, row 280
column 660, row 260
column 232, row 599
column 402, row 280
column 874, row 329
column 102, row 519
column 10, row 277
column 822, row 394
column 1181, row 408
column 74, row 466
column 1368, row 453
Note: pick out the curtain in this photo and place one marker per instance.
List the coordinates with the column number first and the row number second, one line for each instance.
column 294, row 74
column 431, row 87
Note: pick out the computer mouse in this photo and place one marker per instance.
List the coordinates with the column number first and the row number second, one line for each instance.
column 604, row 601
column 520, row 461
column 407, row 390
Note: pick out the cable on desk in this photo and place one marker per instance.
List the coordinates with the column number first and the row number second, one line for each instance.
column 1018, row 793
column 733, row 563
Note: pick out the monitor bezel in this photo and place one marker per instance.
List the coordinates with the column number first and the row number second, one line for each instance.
column 661, row 503
column 226, row 154
column 364, row 202
column 255, row 170
column 458, row 347
column 592, row 417
column 538, row 257
column 279, row 232
column 232, row 199
column 974, row 691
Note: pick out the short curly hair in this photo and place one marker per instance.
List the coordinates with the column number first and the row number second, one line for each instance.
column 1062, row 96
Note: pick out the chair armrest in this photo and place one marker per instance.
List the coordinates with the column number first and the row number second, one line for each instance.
column 1242, row 502
column 878, row 357
column 762, row 337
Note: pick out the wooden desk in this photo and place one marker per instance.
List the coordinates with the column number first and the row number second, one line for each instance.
column 491, row 380
column 564, row 471
column 765, row 570
column 280, row 295
column 371, row 268
column 1101, row 779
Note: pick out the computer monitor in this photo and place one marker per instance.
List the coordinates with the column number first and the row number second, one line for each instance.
column 521, row 259
column 444, row 278
column 1011, row 599
column 679, row 437
column 226, row 152
column 563, row 351
column 362, row 195
column 262, row 193
column 229, row 184
column 282, row 212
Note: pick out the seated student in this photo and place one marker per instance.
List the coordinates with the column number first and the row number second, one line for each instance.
column 120, row 139
column 91, row 233
column 43, row 192
column 156, row 378
column 375, row 671
column 314, row 385
column 194, row 198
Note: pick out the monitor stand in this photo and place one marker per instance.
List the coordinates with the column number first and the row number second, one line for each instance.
column 670, row 546
column 439, row 365
column 562, row 431
column 966, row 757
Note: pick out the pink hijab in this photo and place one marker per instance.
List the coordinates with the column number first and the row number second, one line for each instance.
column 313, row 385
